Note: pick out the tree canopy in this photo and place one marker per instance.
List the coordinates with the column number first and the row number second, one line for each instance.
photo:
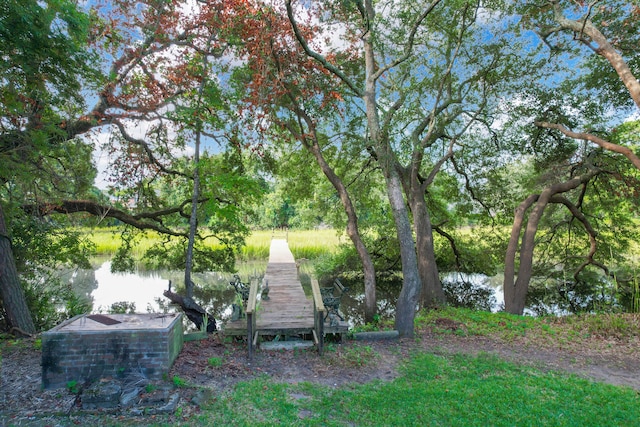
column 439, row 126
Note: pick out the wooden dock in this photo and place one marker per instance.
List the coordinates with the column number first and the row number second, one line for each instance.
column 287, row 311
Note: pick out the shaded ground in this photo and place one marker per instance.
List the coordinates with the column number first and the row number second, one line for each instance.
column 216, row 366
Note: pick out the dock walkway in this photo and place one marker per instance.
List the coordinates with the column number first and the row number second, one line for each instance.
column 287, row 311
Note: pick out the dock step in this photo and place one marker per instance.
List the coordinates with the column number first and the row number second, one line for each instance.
column 285, row 345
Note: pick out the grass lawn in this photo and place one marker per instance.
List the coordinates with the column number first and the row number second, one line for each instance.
column 434, row 390
column 433, row 387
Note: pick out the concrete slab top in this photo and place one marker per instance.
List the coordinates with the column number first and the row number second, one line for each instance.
column 114, row 322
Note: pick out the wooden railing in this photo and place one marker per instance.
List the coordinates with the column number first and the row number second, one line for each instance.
column 252, row 334
column 318, row 316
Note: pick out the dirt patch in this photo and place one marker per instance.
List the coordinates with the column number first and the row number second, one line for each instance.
column 214, row 365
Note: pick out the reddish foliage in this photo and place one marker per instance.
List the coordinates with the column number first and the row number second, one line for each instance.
column 150, row 50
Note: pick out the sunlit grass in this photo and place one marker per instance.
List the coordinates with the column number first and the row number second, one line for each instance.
column 474, row 322
column 307, row 244
column 432, row 387
column 311, row 244
column 438, row 390
column 551, row 332
column 108, row 240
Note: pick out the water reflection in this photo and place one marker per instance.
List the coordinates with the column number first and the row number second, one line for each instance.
column 102, row 288
column 387, row 291
column 135, row 288
column 474, row 290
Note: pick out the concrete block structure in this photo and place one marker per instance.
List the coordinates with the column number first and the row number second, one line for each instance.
column 91, row 347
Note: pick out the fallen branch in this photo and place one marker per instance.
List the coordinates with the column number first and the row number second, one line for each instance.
column 192, row 310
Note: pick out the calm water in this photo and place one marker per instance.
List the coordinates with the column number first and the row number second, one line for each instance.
column 144, row 289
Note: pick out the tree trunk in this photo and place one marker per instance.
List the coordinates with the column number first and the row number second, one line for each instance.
column 352, row 231
column 432, row 293
column 509, row 288
column 520, row 288
column 13, row 299
column 408, row 298
column 193, row 218
column 515, row 292
column 192, row 310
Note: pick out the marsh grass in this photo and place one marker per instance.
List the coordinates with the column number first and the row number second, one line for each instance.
column 108, row 240
column 304, row 244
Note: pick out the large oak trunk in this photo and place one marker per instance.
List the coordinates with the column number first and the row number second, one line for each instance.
column 14, row 303
column 432, row 293
column 408, row 298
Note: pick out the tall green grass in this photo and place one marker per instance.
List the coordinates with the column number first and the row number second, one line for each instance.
column 311, row 244
column 308, row 244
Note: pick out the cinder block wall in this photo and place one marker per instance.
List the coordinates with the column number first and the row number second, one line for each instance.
column 86, row 356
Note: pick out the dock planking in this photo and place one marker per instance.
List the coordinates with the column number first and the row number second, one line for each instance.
column 287, row 308
column 287, row 311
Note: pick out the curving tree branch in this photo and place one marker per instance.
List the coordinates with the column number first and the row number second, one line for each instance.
column 587, row 33
column 452, row 243
column 625, row 151
column 143, row 221
column 590, row 230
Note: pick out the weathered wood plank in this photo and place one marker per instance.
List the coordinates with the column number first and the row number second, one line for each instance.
column 287, row 306
column 288, row 311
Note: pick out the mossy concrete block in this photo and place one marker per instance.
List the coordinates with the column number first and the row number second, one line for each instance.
column 89, row 348
column 102, row 395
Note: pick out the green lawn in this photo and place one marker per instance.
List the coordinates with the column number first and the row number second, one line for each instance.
column 433, row 390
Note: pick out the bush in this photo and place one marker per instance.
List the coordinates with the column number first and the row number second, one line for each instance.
column 51, row 301
column 465, row 294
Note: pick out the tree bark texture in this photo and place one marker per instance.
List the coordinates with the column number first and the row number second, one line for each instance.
column 13, row 299
column 411, row 284
column 352, row 231
column 516, row 288
column 432, row 293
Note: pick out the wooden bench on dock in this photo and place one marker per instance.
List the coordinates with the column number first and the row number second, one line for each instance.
column 332, row 297
column 286, row 312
